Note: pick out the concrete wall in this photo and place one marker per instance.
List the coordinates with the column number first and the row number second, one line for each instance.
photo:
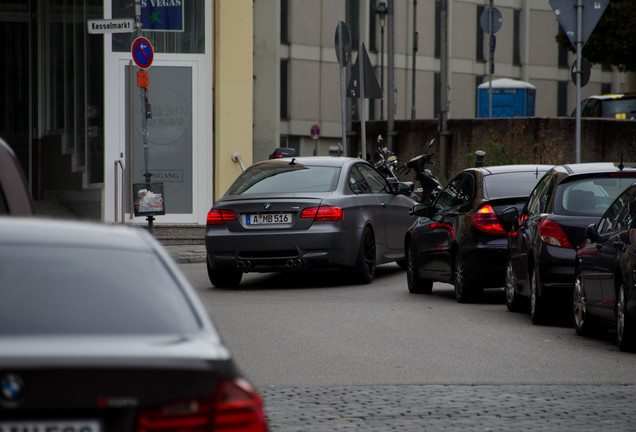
column 517, row 140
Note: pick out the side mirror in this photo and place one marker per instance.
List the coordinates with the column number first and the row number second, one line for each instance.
column 421, row 210
column 403, row 188
column 590, row 232
column 510, row 219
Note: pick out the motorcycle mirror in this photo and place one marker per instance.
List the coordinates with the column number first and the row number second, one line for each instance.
column 430, row 144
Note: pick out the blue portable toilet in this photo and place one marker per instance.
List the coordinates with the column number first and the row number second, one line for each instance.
column 510, row 98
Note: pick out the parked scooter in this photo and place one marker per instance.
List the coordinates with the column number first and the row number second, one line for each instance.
column 430, row 186
column 386, row 162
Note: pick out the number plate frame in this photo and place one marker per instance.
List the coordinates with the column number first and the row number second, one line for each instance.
column 43, row 425
column 268, row 218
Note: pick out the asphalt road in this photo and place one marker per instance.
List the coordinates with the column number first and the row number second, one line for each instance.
column 330, row 356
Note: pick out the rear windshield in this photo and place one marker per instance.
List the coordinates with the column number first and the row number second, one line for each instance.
column 59, row 291
column 589, row 196
column 285, row 178
column 616, row 107
column 512, row 184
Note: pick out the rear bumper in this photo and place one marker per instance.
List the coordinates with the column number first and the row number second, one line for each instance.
column 486, row 262
column 318, row 247
column 555, row 272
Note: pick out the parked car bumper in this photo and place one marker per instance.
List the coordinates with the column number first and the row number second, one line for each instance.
column 323, row 245
column 555, row 272
column 486, row 262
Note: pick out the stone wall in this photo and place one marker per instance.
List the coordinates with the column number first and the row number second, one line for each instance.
column 508, row 140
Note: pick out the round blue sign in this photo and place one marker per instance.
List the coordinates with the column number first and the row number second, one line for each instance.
column 142, row 52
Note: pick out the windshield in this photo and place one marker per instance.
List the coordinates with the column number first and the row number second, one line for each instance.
column 64, row 290
column 589, row 196
column 285, row 178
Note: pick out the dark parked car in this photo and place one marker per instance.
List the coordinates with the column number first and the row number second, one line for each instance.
column 15, row 198
column 605, row 282
column 544, row 237
column 100, row 331
column 458, row 238
column 614, row 106
column 305, row 213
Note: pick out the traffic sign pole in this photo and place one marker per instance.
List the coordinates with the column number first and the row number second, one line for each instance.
column 579, row 53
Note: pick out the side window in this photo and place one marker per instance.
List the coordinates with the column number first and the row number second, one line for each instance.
column 449, row 194
column 619, row 216
column 357, row 182
column 375, row 180
column 466, row 191
column 538, row 199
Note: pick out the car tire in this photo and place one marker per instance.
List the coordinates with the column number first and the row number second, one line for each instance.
column 465, row 289
column 580, row 319
column 625, row 326
column 415, row 283
column 513, row 301
column 537, row 303
column 224, row 278
column 364, row 268
column 402, row 264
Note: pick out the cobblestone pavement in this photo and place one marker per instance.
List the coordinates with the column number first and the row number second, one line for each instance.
column 406, row 408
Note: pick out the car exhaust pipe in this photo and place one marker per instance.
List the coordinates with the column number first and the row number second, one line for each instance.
column 243, row 265
column 294, row 263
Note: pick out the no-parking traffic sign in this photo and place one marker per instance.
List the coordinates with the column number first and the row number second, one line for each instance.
column 142, row 52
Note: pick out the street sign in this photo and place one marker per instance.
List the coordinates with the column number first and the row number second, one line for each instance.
column 315, row 131
column 565, row 11
column 372, row 88
column 497, row 20
column 142, row 52
column 119, row 25
column 586, row 71
column 343, row 49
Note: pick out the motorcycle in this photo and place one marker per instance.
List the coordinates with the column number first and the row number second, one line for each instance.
column 430, row 186
column 386, row 162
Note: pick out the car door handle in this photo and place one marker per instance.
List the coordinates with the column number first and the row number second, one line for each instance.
column 383, row 204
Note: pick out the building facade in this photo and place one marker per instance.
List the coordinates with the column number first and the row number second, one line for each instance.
column 296, row 72
column 86, row 132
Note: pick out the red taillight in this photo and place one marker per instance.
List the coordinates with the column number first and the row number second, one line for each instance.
column 237, row 407
column 322, row 214
column 437, row 225
column 219, row 217
column 485, row 219
column 552, row 234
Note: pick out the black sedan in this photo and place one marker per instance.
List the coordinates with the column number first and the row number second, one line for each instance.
column 304, row 213
column 458, row 238
column 100, row 331
column 605, row 274
column 544, row 237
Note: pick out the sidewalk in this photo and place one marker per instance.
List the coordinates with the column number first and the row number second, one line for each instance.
column 187, row 254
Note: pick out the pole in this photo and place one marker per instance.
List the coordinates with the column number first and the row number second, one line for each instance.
column 382, row 71
column 343, row 106
column 443, row 112
column 390, row 79
column 491, row 58
column 363, row 129
column 579, row 49
column 414, row 54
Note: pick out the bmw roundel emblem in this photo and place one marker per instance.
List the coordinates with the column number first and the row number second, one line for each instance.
column 268, row 206
column 11, row 387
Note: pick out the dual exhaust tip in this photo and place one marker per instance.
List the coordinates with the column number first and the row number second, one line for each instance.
column 247, row 264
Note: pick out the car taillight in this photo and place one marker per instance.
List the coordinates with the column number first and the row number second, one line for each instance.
column 485, row 219
column 552, row 234
column 237, row 407
column 322, row 214
column 219, row 217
